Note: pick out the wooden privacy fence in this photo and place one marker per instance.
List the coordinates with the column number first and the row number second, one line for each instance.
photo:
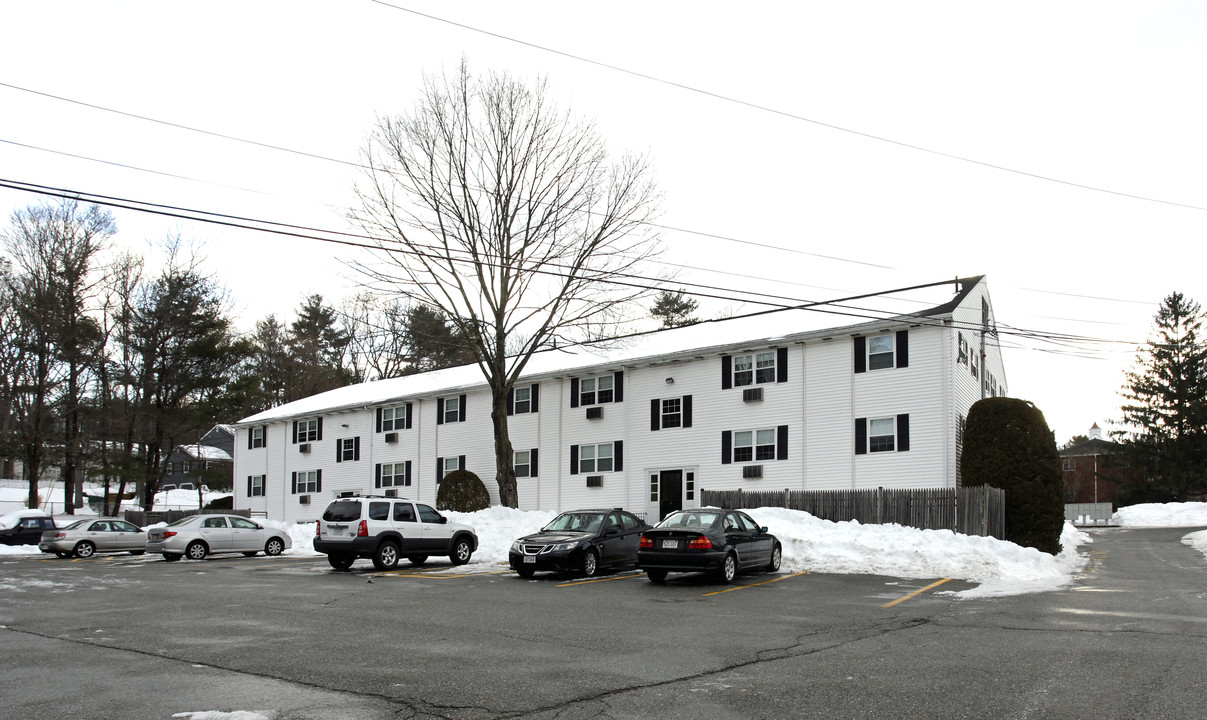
column 142, row 518
column 976, row 510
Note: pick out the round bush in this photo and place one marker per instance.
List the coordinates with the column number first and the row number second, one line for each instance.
column 462, row 491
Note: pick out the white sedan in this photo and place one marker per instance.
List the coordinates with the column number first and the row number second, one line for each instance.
column 197, row 536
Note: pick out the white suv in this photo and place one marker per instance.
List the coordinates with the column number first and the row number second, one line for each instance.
column 385, row 529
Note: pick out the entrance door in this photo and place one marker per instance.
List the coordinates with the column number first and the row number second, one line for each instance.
column 670, row 492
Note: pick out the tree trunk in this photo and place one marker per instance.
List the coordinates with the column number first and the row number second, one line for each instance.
column 509, row 495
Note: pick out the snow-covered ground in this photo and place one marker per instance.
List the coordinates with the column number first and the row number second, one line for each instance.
column 821, row 546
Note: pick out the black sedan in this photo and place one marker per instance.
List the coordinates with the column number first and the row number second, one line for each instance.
column 580, row 541
column 719, row 542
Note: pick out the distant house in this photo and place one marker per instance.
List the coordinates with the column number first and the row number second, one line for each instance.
column 209, row 462
column 1093, row 470
column 776, row 400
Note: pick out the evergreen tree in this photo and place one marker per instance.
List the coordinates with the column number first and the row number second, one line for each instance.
column 674, row 309
column 316, row 345
column 1007, row 445
column 1166, row 404
column 432, row 341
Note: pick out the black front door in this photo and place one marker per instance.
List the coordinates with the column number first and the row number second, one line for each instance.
column 670, row 492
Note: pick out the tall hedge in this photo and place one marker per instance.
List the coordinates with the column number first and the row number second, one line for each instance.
column 1007, row 445
column 462, row 491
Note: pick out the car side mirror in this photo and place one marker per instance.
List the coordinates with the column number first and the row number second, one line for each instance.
column 763, row 530
column 612, row 531
column 443, row 520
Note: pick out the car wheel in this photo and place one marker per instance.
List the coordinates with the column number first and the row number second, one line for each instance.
column 62, row 554
column 274, row 546
column 590, row 563
column 656, row 576
column 84, row 549
column 386, row 556
column 417, row 559
column 196, row 550
column 728, row 570
column 776, row 556
column 525, row 572
column 171, row 557
column 462, row 550
column 340, row 561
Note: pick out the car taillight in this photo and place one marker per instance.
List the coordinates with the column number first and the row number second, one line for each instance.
column 60, row 536
column 363, row 529
column 700, row 543
column 169, row 533
column 646, row 542
column 318, row 529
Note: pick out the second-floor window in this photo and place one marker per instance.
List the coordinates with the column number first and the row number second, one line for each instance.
column 347, row 449
column 754, row 445
column 593, row 391
column 880, row 352
column 595, row 458
column 753, row 369
column 307, row 481
column 307, row 430
column 257, row 437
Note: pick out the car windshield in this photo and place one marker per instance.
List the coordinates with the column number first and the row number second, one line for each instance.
column 576, row 522
column 693, row 519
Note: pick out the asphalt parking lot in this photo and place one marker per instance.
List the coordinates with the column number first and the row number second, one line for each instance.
column 123, row 637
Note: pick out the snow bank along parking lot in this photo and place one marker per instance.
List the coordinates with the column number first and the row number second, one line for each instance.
column 821, row 546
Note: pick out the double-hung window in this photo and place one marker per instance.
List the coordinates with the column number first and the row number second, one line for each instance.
column 347, row 449
column 882, row 434
column 523, row 463
column 595, row 458
column 452, row 409
column 393, row 418
column 307, row 430
column 755, row 368
column 754, row 445
column 672, row 413
column 255, row 485
column 306, row 482
column 394, row 475
column 257, row 437
column 880, row 352
column 522, row 403
column 596, row 390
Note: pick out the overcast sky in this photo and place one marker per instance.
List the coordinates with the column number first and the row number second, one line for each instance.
column 836, row 148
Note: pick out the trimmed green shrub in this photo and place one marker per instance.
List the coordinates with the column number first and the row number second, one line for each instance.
column 462, row 491
column 1007, row 445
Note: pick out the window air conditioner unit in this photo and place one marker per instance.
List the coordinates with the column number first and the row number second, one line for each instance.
column 595, row 481
column 752, row 394
column 594, row 413
column 304, row 448
column 750, row 472
column 303, row 499
column 392, row 437
column 392, row 492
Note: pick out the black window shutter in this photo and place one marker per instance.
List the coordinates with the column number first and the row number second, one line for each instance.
column 903, row 432
column 318, row 480
column 320, row 432
column 356, row 448
column 902, row 348
column 536, row 396
column 460, row 462
column 295, row 483
column 249, row 434
column 407, row 473
column 781, row 365
column 726, row 447
column 249, row 485
column 264, row 485
column 726, row 372
column 439, row 469
column 264, row 432
column 573, row 459
column 295, row 432
column 573, row 392
column 618, row 385
column 861, row 354
column 511, row 401
column 377, row 480
column 378, row 419
column 339, row 450
column 861, row 436
column 461, row 411
column 655, row 414
column 439, row 411
column 781, row 442
column 408, row 416
column 618, row 455
column 532, row 472
column 687, row 411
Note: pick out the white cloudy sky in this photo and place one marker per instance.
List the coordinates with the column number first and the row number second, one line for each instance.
column 781, row 144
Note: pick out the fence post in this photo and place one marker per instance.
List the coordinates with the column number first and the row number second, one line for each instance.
column 984, row 510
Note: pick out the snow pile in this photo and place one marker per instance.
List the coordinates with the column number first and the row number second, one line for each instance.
column 497, row 527
column 1197, row 540
column 1190, row 514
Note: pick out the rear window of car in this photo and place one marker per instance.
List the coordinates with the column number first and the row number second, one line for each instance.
column 342, row 511
column 689, row 519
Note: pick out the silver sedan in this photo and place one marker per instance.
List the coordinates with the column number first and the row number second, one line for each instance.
column 84, row 538
column 197, row 536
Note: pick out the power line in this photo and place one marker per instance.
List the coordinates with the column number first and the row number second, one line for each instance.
column 786, row 114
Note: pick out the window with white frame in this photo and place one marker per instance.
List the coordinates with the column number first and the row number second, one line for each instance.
column 1068, row 464
column 307, row 482
column 255, row 487
column 308, row 430
column 880, row 352
column 523, row 463
column 257, row 437
column 756, row 368
column 393, row 418
column 596, row 390
column 672, row 413
column 595, row 458
column 962, row 344
column 452, row 409
column 522, row 402
column 348, row 449
column 882, row 434
column 451, row 464
column 394, row 475
column 752, row 445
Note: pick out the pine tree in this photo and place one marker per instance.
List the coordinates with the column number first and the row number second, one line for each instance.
column 674, row 309
column 1166, row 404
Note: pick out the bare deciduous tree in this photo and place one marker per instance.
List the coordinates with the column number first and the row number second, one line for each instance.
column 496, row 208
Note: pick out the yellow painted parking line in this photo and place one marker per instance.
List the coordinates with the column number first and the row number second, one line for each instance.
column 595, row 580
column 916, row 593
column 743, row 587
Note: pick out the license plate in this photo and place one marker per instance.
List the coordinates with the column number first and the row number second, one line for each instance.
column 530, row 559
column 670, row 544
